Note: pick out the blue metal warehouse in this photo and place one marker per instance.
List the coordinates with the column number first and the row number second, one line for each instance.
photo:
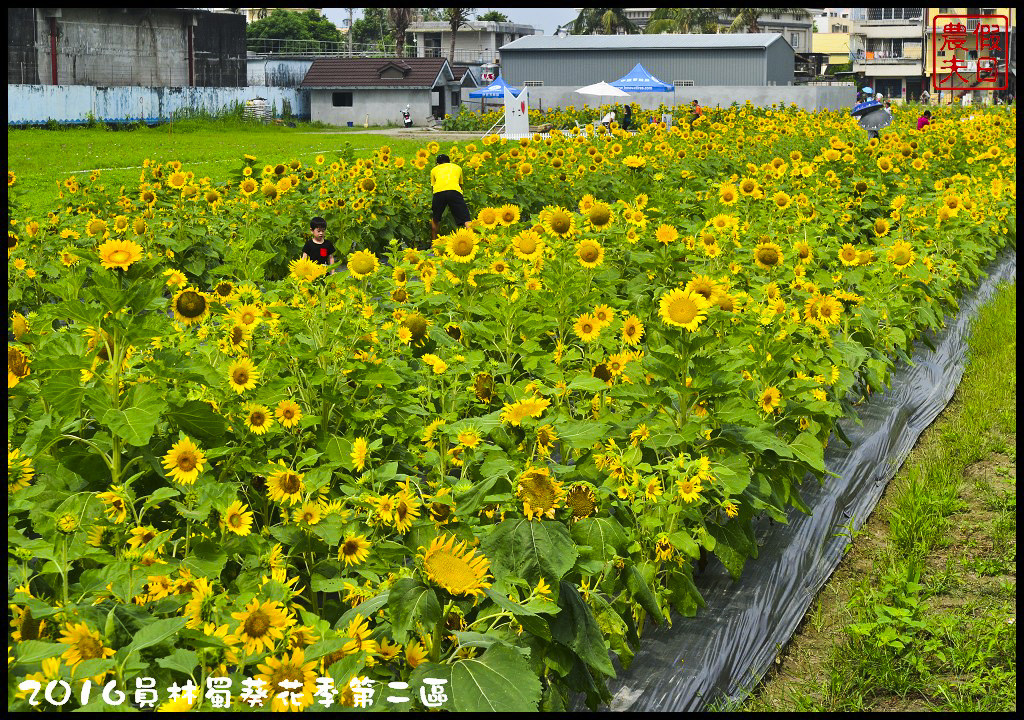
column 684, row 60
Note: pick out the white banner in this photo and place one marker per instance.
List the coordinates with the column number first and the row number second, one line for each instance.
column 517, row 114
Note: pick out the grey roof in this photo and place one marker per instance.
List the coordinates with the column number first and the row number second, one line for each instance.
column 665, row 41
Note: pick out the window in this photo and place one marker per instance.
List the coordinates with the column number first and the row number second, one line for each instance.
column 794, row 40
column 533, row 83
column 683, row 83
column 341, row 99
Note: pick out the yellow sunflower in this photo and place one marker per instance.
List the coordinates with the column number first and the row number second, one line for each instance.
column 768, row 255
column 83, row 644
column 770, row 399
column 288, row 413
column 590, row 253
column 848, row 255
column 258, row 418
column 242, row 375
column 292, row 669
column 518, row 411
column 354, row 550
column 360, row 449
column 237, row 518
column 19, row 471
column 527, row 245
column 586, row 327
column 119, row 254
column 455, row 568
column 184, row 461
column 261, row 625
column 557, row 221
column 462, row 245
column 362, row 263
column 285, row 485
column 508, row 215
column 189, row 306
column 632, row 330
column 683, row 309
column 901, row 255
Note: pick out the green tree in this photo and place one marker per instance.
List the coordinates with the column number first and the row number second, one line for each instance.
column 603, row 21
column 289, row 25
column 400, row 19
column 683, row 20
column 373, row 29
column 493, row 16
column 745, row 19
column 456, row 18
column 430, row 14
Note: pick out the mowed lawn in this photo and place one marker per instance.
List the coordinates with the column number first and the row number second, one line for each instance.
column 41, row 158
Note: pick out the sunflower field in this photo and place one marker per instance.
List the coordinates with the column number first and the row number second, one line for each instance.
column 477, row 469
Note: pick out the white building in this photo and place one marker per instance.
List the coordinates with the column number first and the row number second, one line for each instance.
column 887, row 45
column 476, row 42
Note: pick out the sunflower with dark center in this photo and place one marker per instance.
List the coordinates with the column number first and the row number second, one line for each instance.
column 559, row 222
column 285, row 485
column 599, row 215
column 602, row 372
column 768, row 255
column 454, row 332
column 590, row 253
column 189, row 306
column 417, row 325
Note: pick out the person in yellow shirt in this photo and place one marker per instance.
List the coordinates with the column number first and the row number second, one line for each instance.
column 446, row 180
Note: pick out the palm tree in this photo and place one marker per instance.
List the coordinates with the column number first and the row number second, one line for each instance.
column 400, row 19
column 746, row 18
column 456, row 17
column 603, row 21
column 683, row 20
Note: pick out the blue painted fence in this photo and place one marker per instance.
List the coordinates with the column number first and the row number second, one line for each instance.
column 72, row 104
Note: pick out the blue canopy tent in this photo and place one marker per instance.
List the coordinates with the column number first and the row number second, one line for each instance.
column 495, row 90
column 639, row 80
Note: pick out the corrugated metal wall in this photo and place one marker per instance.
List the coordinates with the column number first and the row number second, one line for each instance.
column 780, row 63
column 583, row 67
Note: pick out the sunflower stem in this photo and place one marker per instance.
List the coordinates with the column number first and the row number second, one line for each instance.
column 435, row 645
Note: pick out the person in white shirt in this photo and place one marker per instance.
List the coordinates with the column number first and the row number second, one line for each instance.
column 608, row 119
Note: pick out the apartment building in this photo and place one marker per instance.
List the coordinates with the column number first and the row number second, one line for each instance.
column 887, row 45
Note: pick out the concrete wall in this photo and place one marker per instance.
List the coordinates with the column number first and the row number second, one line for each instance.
column 808, row 97
column 384, row 107
column 277, row 71
column 126, row 46
column 36, row 104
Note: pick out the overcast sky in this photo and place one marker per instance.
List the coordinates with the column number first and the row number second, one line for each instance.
column 546, row 19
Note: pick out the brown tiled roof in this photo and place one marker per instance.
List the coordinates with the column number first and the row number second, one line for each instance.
column 366, row 72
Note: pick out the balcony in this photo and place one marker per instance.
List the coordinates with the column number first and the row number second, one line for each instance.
column 462, row 56
column 884, row 59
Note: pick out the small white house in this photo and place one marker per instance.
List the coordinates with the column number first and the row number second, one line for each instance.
column 376, row 90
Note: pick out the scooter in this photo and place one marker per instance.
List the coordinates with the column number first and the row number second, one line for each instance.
column 407, row 117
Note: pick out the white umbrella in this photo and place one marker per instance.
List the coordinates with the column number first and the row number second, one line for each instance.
column 602, row 89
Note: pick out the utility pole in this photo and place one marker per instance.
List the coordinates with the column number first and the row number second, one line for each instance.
column 350, row 32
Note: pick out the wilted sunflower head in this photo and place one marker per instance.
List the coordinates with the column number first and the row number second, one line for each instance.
column 17, row 366
column 483, row 387
column 581, row 499
column 539, row 492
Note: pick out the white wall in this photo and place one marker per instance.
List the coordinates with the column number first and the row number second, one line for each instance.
column 382, row 106
column 808, row 97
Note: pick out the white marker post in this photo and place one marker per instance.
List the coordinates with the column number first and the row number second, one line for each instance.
column 517, row 114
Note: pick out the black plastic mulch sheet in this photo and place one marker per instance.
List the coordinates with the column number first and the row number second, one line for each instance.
column 723, row 652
